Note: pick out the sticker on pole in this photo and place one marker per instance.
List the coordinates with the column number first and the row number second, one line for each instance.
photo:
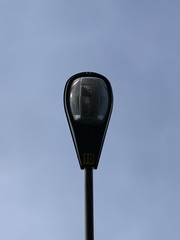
column 88, row 159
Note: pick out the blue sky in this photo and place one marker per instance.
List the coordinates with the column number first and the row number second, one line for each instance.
column 136, row 45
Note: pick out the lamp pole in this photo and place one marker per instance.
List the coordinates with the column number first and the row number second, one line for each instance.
column 88, row 102
column 89, row 210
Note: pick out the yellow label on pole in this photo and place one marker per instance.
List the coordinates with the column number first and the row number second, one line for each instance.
column 88, row 159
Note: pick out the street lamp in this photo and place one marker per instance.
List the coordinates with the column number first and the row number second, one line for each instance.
column 88, row 101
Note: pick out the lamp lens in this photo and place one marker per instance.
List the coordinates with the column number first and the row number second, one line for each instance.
column 89, row 100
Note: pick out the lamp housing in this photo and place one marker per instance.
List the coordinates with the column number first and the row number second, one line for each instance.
column 88, row 102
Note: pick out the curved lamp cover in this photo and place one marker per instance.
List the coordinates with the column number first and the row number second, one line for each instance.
column 88, row 101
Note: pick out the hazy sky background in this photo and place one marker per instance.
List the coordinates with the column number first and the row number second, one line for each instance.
column 136, row 45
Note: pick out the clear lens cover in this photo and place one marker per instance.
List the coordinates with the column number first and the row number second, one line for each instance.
column 89, row 99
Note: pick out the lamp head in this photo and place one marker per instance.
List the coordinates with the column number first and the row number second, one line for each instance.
column 88, row 101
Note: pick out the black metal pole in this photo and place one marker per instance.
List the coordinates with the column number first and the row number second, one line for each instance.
column 89, row 216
